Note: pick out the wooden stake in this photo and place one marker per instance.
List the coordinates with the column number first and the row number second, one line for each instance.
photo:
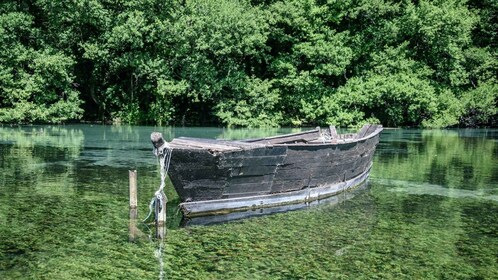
column 160, row 213
column 132, row 226
column 133, row 188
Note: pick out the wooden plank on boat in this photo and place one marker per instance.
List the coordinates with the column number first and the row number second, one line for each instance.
column 198, row 157
column 368, row 130
column 260, row 151
column 296, row 173
column 199, row 172
column 372, row 129
column 180, row 143
column 220, row 206
column 206, row 183
column 252, row 170
column 289, row 138
column 262, row 187
column 237, row 144
column 251, row 179
column 318, row 158
column 202, row 189
column 362, row 131
column 252, row 161
column 333, row 132
column 288, row 185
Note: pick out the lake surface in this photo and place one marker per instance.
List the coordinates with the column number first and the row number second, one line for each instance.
column 429, row 211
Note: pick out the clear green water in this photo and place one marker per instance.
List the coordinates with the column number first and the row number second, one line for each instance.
column 430, row 211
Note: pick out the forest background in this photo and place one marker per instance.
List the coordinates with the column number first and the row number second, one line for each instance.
column 250, row 63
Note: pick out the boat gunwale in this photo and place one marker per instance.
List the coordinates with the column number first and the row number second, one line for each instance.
column 337, row 141
column 260, row 140
column 255, row 145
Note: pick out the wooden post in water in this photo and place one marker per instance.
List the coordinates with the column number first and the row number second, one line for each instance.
column 133, row 205
column 133, row 188
column 160, row 212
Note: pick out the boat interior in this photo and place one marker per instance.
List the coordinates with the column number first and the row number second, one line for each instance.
column 315, row 136
column 318, row 136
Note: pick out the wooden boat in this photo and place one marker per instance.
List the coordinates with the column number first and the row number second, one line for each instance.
column 220, row 176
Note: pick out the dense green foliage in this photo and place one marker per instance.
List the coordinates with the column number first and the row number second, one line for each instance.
column 250, row 63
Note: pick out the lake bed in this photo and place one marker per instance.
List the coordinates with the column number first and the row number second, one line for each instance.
column 429, row 211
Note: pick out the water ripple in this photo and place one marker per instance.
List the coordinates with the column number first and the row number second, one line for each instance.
column 433, row 189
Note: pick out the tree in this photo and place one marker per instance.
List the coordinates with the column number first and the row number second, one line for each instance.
column 36, row 81
column 217, row 48
column 309, row 57
column 250, row 62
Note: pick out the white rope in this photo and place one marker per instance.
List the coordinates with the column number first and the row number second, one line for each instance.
column 164, row 153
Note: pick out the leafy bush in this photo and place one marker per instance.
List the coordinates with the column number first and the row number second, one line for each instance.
column 250, row 63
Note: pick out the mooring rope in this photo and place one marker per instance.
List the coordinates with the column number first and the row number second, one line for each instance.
column 164, row 153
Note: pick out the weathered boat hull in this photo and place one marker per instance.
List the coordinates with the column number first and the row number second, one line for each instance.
column 214, row 177
column 224, row 206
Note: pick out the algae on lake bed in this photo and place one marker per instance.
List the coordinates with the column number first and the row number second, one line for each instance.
column 428, row 213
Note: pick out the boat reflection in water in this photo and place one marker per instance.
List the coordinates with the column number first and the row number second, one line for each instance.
column 331, row 201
